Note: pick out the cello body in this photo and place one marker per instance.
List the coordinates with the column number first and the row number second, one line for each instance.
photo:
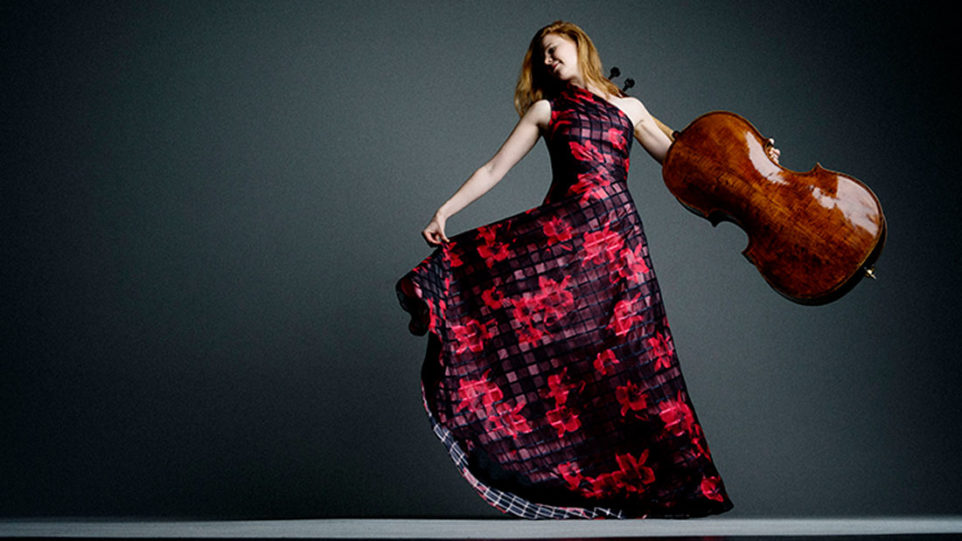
column 811, row 235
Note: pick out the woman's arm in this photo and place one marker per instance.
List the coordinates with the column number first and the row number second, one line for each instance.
column 521, row 140
column 653, row 135
column 665, row 129
column 773, row 152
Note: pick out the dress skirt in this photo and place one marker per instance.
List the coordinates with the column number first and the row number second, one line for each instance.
column 551, row 375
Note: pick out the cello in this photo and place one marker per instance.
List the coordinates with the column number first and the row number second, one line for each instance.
column 812, row 236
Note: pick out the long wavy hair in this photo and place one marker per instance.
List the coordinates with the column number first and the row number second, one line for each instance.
column 535, row 82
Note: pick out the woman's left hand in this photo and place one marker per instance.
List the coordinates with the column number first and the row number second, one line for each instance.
column 773, row 152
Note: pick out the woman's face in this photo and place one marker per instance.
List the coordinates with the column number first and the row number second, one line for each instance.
column 561, row 57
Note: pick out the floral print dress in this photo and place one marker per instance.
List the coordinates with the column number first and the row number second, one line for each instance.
column 550, row 374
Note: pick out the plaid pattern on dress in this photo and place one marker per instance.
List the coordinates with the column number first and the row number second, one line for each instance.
column 550, row 373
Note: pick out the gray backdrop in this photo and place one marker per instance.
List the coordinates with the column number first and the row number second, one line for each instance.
column 206, row 206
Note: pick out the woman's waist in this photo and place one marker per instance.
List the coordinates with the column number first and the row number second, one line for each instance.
column 589, row 186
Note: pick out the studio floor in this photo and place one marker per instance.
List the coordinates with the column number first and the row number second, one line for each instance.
column 861, row 528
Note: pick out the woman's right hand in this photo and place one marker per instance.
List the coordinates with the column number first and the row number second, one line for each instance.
column 434, row 232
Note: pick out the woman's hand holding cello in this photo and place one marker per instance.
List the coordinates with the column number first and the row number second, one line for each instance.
column 773, row 153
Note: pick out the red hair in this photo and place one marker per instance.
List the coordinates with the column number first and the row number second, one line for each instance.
column 535, row 82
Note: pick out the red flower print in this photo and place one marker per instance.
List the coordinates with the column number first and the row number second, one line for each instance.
column 493, row 298
column 631, row 397
column 524, row 310
column 632, row 477
column 456, row 258
column 590, row 185
column 625, row 315
column 478, row 394
column 558, row 388
column 601, row 245
column 571, row 473
column 605, row 359
column 544, row 308
column 511, row 420
column 563, row 419
column 558, row 123
column 557, row 230
column 711, row 489
column 493, row 252
column 529, row 335
column 483, row 398
column 586, row 152
column 661, row 350
column 699, row 447
column 490, row 248
column 606, row 484
column 616, row 137
column 634, row 470
column 470, row 336
column 631, row 266
column 554, row 299
column 678, row 417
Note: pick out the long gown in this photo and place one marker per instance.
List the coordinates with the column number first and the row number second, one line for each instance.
column 550, row 373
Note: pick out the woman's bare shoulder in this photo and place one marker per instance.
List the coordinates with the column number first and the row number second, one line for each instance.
column 632, row 107
column 539, row 113
column 631, row 104
column 541, row 107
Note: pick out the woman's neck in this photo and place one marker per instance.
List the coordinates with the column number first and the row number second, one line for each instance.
column 579, row 83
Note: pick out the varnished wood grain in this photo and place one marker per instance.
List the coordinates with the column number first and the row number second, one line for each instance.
column 811, row 235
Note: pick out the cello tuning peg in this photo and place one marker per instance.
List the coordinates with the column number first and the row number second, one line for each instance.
column 628, row 84
column 614, row 72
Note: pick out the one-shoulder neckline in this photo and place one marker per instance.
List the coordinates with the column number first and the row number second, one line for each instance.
column 596, row 97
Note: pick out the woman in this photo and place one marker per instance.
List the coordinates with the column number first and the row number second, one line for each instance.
column 550, row 374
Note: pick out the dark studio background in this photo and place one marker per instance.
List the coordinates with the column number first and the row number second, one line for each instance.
column 206, row 205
